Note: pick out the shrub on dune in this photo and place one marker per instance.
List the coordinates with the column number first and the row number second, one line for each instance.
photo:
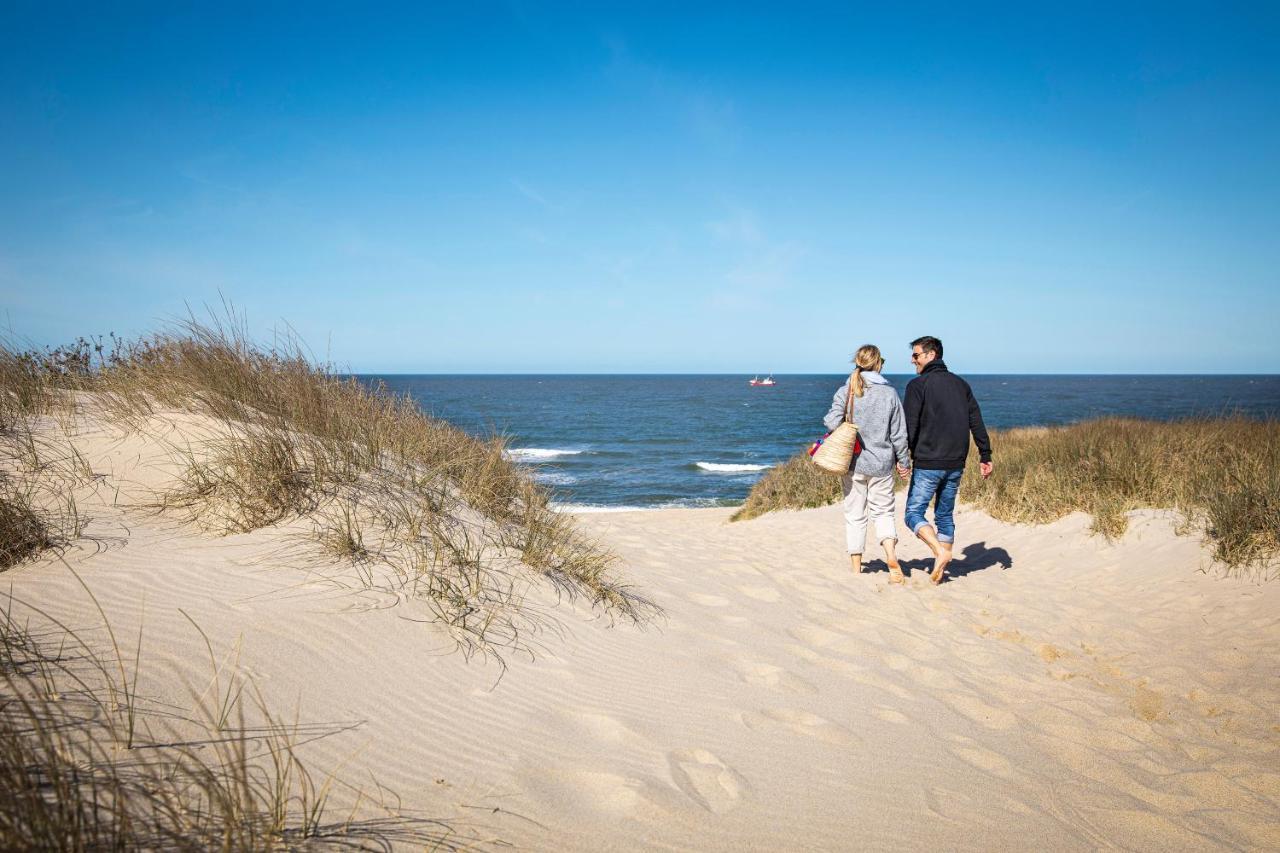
column 794, row 484
column 1222, row 474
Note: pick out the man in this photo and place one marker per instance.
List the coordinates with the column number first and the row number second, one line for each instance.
column 941, row 413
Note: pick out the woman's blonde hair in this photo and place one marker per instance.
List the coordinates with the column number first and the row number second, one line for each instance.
column 866, row 358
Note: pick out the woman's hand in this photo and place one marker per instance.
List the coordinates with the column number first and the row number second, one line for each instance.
column 903, row 471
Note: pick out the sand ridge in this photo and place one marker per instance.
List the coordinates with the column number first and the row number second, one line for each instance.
column 1082, row 693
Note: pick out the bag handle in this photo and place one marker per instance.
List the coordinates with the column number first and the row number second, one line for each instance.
column 848, row 403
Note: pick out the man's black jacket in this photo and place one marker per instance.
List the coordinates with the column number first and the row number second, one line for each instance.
column 941, row 412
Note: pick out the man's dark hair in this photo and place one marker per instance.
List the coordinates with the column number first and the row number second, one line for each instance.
column 929, row 344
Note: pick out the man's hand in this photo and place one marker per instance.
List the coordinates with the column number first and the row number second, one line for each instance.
column 985, row 468
column 903, row 471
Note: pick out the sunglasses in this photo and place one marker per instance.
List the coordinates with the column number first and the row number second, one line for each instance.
column 916, row 355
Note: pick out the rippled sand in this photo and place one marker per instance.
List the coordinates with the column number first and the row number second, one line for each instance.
column 1059, row 692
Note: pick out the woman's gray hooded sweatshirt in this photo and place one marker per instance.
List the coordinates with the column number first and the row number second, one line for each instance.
column 882, row 426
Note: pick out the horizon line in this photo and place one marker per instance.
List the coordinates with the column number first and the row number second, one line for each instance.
column 738, row 374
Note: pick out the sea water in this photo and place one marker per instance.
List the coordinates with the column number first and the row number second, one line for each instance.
column 646, row 441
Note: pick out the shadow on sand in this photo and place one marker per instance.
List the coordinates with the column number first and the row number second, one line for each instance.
column 974, row 558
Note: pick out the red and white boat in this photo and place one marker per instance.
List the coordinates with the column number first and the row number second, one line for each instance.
column 757, row 381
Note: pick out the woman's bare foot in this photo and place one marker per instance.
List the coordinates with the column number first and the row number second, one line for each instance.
column 940, row 565
column 891, row 559
column 856, row 560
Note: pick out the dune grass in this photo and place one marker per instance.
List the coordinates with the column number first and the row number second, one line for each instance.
column 39, row 475
column 88, row 764
column 794, row 484
column 24, row 532
column 444, row 513
column 1222, row 474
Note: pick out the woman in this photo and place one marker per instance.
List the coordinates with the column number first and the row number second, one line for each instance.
column 868, row 487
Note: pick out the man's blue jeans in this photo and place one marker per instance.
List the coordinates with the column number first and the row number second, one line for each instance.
column 925, row 485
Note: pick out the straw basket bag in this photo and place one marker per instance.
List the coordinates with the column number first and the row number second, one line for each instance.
column 835, row 454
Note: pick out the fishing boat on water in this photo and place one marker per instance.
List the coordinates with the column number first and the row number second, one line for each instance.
column 756, row 381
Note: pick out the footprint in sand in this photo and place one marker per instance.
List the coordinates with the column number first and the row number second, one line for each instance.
column 597, row 790
column 773, row 677
column 707, row 780
column 815, row 637
column 802, row 723
column 609, row 793
column 889, row 715
column 930, row 677
column 984, row 759
column 981, row 712
column 1147, row 703
column 872, row 678
column 602, row 727
column 767, row 594
column 802, row 652
column 1050, row 653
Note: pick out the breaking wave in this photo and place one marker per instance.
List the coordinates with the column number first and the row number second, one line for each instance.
column 537, row 454
column 729, row 468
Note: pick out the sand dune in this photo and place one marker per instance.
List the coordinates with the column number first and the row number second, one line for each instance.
column 1059, row 693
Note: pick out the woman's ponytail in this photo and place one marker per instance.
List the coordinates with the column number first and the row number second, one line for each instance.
column 867, row 358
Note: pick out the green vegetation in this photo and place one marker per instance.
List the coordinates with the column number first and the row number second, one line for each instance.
column 1222, row 474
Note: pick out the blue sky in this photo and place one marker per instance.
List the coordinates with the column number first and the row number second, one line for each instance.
column 653, row 187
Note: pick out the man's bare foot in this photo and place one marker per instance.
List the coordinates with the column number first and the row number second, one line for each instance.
column 895, row 574
column 856, row 561
column 940, row 565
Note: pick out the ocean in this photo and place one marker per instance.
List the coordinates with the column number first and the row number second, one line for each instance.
column 646, row 441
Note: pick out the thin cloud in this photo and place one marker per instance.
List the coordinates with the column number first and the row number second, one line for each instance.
column 710, row 115
column 739, row 227
column 763, row 268
column 535, row 196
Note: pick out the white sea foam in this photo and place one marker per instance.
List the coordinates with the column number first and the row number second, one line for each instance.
column 729, row 468
column 594, row 508
column 689, row 503
column 555, row 478
column 535, row 454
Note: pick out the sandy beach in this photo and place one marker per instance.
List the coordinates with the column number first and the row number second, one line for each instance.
column 406, row 416
column 1059, row 692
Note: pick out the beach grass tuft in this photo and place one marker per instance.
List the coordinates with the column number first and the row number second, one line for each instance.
column 794, row 484
column 24, row 532
column 1222, row 474
column 39, row 474
column 88, row 764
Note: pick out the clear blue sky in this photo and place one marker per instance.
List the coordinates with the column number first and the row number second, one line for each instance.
column 653, row 187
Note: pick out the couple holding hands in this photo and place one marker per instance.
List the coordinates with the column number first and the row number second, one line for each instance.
column 925, row 437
